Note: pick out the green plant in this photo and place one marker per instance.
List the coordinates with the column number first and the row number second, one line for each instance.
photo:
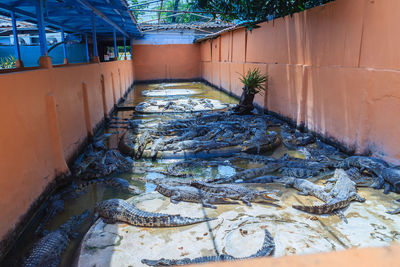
column 251, row 12
column 7, row 62
column 254, row 81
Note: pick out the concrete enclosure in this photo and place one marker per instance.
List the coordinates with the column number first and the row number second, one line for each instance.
column 333, row 68
column 47, row 115
column 166, row 62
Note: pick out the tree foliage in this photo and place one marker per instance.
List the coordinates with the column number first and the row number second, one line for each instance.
column 182, row 6
column 253, row 11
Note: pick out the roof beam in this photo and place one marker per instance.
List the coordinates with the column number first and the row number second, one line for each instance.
column 102, row 16
column 33, row 16
column 171, row 11
column 145, row 3
column 125, row 4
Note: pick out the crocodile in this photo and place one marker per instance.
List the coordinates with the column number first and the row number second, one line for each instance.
column 252, row 158
column 391, row 176
column 156, row 146
column 249, row 173
column 180, row 168
column 236, row 192
column 262, row 179
column 294, row 138
column 185, row 193
column 118, row 210
column 364, row 163
column 142, row 143
column 300, row 172
column 266, row 249
column 56, row 202
column 261, row 142
column 95, row 163
column 48, row 250
column 340, row 196
column 396, row 211
column 360, row 179
column 387, row 176
column 52, row 209
column 117, row 183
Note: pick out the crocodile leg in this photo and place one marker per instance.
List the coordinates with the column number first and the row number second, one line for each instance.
column 207, row 205
column 359, row 198
column 109, row 220
column 396, row 211
column 380, row 184
column 387, row 188
column 341, row 215
column 176, row 198
column 246, row 201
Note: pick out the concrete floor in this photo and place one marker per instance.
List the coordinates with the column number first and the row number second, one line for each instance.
column 238, row 230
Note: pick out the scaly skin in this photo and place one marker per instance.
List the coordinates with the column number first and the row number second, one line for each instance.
column 299, row 172
column 250, row 173
column 237, row 192
column 48, row 250
column 340, row 196
column 325, row 208
column 266, row 249
column 191, row 194
column 118, row 210
column 117, row 183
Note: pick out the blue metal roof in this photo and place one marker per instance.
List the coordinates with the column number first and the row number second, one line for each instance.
column 75, row 16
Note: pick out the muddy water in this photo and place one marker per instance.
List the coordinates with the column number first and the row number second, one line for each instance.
column 96, row 193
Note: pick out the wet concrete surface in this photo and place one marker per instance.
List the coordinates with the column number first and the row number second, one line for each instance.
column 238, row 230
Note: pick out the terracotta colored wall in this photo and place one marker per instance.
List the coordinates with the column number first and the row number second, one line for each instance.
column 365, row 257
column 333, row 68
column 44, row 122
column 158, row 62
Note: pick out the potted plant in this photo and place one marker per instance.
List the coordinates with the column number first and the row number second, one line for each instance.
column 253, row 83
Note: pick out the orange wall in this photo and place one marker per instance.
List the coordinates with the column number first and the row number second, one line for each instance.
column 161, row 62
column 43, row 124
column 333, row 68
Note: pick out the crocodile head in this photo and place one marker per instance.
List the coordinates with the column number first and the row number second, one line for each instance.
column 264, row 198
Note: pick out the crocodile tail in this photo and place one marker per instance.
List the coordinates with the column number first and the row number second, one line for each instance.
column 166, row 262
column 313, row 209
column 176, row 220
column 267, row 247
column 323, row 209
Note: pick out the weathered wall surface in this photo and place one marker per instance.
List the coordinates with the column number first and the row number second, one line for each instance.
column 333, row 68
column 161, row 62
column 47, row 114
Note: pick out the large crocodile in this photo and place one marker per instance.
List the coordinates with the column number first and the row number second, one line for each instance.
column 48, row 250
column 190, row 194
column 250, row 173
column 117, row 183
column 237, row 192
column 300, row 172
column 118, row 210
column 388, row 177
column 342, row 193
column 266, row 249
column 56, row 202
column 294, row 138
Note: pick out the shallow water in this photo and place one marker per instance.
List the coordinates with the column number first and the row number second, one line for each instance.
column 282, row 216
column 96, row 193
